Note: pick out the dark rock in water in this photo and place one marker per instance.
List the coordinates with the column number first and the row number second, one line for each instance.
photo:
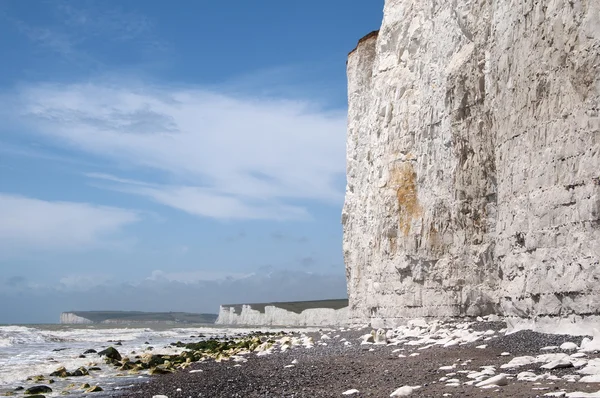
column 81, row 356
column 94, row 389
column 95, row 368
column 127, row 365
column 58, row 349
column 160, row 370
column 80, row 372
column 145, row 342
column 111, row 353
column 60, row 372
column 90, row 351
column 19, row 388
column 118, row 343
column 38, row 390
column 85, row 386
column 36, row 396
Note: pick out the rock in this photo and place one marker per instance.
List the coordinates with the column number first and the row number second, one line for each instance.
column 404, row 391
column 519, row 361
column 590, row 379
column 80, row 372
column 160, row 396
column 498, row 380
column 380, row 337
column 568, row 346
column 111, row 353
column 60, row 372
column 90, row 351
column 38, row 390
column 160, row 370
column 558, row 364
column 350, row 392
column 94, row 389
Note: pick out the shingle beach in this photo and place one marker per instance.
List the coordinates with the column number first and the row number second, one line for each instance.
column 436, row 359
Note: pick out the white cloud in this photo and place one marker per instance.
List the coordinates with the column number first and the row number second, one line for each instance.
column 194, row 276
column 230, row 156
column 39, row 224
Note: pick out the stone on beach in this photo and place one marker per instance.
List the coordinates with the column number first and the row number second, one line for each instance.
column 568, row 346
column 498, row 380
column 38, row 390
column 404, row 391
column 558, row 364
column 351, row 392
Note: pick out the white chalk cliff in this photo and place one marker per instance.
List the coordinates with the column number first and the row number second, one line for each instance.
column 473, row 161
column 273, row 316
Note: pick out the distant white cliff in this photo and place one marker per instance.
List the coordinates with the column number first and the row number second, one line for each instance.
column 317, row 313
column 71, row 318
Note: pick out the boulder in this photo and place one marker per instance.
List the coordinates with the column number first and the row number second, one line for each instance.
column 111, row 353
column 90, row 351
column 94, row 389
column 60, row 372
column 80, row 372
column 38, row 390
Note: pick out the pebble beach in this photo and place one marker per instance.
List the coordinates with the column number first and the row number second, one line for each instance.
column 421, row 359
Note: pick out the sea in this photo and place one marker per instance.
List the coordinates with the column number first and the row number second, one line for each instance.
column 30, row 350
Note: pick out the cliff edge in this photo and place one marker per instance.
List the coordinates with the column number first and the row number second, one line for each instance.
column 473, row 162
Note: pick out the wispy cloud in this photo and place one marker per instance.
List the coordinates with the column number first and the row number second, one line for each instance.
column 38, row 224
column 231, row 157
column 71, row 29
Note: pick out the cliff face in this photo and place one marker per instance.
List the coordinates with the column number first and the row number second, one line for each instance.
column 473, row 161
column 273, row 316
column 71, row 318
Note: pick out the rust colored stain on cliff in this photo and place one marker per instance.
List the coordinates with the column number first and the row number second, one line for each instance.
column 403, row 179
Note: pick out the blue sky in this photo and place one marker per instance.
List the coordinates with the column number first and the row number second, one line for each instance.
column 194, row 146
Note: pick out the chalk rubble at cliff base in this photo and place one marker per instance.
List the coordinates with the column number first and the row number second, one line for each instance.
column 422, row 358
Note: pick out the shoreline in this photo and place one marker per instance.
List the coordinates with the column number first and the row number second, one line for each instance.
column 340, row 362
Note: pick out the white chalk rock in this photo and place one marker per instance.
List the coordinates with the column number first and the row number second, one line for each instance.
column 519, row 361
column 549, row 348
column 160, row 396
column 404, row 391
column 588, row 345
column 579, row 394
column 555, row 394
column 568, row 346
column 505, row 354
column 351, row 392
column 527, row 376
column 558, row 364
column 448, row 367
column 498, row 380
column 380, row 337
column 590, row 379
